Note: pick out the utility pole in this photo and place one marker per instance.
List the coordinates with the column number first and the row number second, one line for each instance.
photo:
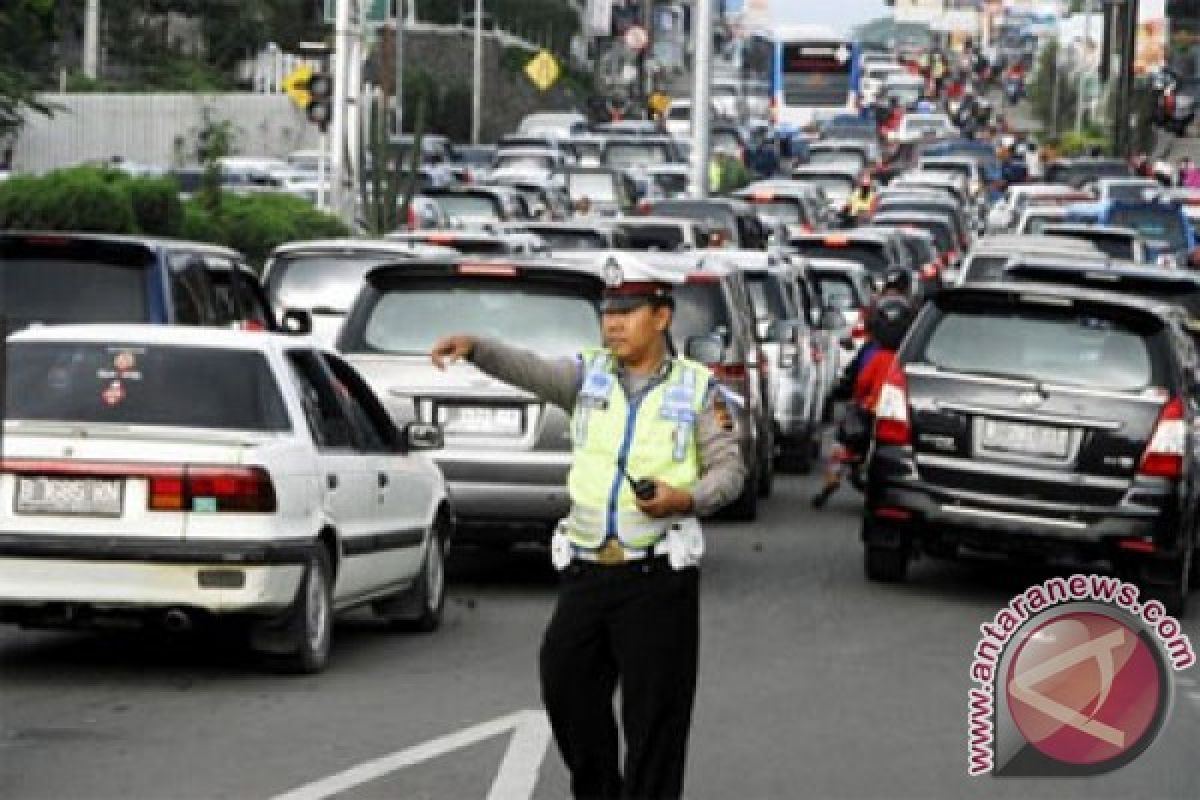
column 1083, row 66
column 477, row 93
column 91, row 40
column 702, row 97
column 1126, row 12
column 644, row 56
column 400, row 8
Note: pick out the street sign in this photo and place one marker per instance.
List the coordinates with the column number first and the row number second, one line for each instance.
column 378, row 11
column 543, row 70
column 296, row 86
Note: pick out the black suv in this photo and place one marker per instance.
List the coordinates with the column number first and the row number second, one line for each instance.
column 1038, row 420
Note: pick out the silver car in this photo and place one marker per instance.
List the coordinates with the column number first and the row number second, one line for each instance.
column 321, row 278
column 506, row 453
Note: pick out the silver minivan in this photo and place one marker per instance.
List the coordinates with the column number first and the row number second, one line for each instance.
column 506, row 453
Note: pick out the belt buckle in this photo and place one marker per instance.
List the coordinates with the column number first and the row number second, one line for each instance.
column 611, row 553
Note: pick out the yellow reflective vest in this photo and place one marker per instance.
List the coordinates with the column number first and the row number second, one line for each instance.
column 655, row 439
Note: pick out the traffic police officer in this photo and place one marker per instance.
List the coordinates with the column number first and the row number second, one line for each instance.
column 654, row 448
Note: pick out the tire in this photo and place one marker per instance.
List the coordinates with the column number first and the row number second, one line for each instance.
column 798, row 457
column 745, row 508
column 307, row 632
column 419, row 609
column 766, row 478
column 885, row 564
column 1174, row 594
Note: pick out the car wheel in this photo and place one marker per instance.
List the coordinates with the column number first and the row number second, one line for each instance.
column 885, row 564
column 419, row 609
column 1173, row 593
column 308, row 627
column 766, row 480
column 745, row 508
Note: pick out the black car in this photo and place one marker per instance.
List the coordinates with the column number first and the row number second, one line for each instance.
column 1038, row 421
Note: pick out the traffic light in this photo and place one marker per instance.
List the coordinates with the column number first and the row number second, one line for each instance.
column 319, row 108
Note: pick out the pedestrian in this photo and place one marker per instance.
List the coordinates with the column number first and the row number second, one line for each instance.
column 1189, row 175
column 654, row 447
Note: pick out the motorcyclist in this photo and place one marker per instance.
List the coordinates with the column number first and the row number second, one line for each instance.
column 887, row 323
column 862, row 201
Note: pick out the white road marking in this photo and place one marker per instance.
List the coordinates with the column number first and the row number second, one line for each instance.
column 515, row 780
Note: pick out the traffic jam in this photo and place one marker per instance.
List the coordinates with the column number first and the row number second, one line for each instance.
column 997, row 354
column 190, row 440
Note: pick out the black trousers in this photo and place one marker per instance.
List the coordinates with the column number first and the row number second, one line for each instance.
column 634, row 625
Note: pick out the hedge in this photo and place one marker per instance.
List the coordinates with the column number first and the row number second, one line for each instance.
column 100, row 200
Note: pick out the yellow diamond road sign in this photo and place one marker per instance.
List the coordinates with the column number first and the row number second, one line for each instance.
column 543, row 70
column 296, row 83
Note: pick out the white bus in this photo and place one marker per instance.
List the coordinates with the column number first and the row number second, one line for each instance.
column 815, row 77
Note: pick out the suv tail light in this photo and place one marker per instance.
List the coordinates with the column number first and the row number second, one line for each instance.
column 411, row 222
column 203, row 488
column 1164, row 455
column 891, row 415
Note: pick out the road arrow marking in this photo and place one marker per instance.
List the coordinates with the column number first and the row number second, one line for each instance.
column 515, row 780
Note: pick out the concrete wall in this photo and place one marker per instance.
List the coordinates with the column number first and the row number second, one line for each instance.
column 161, row 129
column 156, row 129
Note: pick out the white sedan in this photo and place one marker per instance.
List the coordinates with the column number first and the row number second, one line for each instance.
column 171, row 475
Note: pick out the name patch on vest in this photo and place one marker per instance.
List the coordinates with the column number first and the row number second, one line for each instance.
column 597, row 388
column 677, row 405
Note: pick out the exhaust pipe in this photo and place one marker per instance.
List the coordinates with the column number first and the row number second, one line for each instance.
column 177, row 620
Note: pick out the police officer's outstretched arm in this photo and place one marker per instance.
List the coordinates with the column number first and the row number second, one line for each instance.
column 555, row 381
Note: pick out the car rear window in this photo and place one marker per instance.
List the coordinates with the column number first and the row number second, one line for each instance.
column 99, row 291
column 766, row 293
column 635, row 154
column 406, row 320
column 788, row 212
column 838, row 291
column 870, row 256
column 1155, row 224
column 703, row 212
column 557, row 239
column 598, row 187
column 653, row 237
column 984, row 268
column 319, row 281
column 1113, row 246
column 700, row 310
column 1057, row 345
column 141, row 384
column 468, row 206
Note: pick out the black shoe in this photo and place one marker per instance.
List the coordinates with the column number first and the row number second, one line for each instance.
column 822, row 497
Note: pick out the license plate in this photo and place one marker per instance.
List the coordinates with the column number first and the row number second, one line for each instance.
column 481, row 421
column 87, row 496
column 1016, row 437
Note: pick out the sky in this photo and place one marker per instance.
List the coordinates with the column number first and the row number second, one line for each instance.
column 838, row 14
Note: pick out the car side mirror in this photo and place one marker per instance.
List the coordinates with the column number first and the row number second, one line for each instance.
column 297, row 322
column 832, row 320
column 705, row 349
column 418, row 436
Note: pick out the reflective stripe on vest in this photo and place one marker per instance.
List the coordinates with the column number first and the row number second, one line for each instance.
column 652, row 438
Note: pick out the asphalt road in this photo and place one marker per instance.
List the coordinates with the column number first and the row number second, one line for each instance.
column 813, row 684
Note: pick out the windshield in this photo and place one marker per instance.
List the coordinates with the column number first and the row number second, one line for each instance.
column 1154, row 224
column 140, row 384
column 635, row 154
column 324, row 281
column 598, row 187
column 32, row 290
column 1054, row 346
column 547, row 320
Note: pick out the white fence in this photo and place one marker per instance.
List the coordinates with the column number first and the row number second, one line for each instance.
column 156, row 129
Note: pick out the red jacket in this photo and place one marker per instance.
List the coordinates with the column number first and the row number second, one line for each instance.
column 869, row 383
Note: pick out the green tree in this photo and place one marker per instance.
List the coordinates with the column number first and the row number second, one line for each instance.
column 26, row 29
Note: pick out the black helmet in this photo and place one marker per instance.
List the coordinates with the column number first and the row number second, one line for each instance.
column 897, row 280
column 889, row 321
